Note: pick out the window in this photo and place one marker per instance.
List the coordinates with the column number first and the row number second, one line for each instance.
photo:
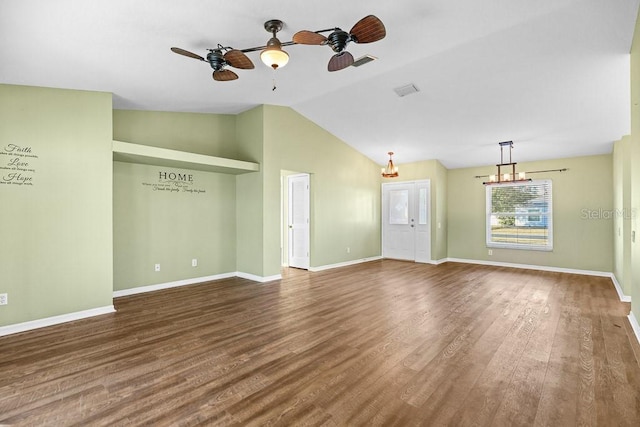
column 422, row 206
column 519, row 215
column 399, row 207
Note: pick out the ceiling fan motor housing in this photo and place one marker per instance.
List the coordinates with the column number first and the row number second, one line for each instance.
column 216, row 59
column 338, row 40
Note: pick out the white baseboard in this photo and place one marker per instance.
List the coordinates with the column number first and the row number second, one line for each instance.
column 532, row 267
column 634, row 325
column 621, row 295
column 344, row 264
column 159, row 286
column 55, row 320
column 185, row 282
column 259, row 279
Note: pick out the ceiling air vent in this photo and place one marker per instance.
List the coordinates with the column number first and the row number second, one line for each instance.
column 406, row 90
column 363, row 60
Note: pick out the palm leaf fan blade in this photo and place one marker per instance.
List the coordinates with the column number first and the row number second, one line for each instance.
column 224, row 75
column 340, row 61
column 308, row 37
column 238, row 59
column 186, row 53
column 368, row 30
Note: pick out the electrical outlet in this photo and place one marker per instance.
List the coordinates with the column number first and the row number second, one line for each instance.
column 4, row 299
column 490, row 252
column 157, row 267
column 194, row 262
column 348, row 250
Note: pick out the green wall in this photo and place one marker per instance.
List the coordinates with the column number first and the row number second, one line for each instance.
column 159, row 222
column 171, row 228
column 345, row 190
column 250, row 195
column 441, row 250
column 56, row 246
column 634, row 192
column 622, row 218
column 582, row 221
column 626, row 190
column 210, row 134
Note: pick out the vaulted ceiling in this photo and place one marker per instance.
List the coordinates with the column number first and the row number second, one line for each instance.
column 551, row 75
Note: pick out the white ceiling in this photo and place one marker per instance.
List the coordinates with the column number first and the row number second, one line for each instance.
column 551, row 75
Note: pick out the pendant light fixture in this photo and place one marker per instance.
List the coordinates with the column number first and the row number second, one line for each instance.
column 390, row 171
column 273, row 56
column 510, row 174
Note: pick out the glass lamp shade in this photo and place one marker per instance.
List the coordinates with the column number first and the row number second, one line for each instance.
column 391, row 171
column 274, row 57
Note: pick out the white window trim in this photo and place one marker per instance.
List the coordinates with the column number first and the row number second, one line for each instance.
column 520, row 246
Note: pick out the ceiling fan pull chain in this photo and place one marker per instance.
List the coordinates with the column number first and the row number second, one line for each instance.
column 274, row 85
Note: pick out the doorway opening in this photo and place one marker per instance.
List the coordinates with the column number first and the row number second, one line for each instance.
column 295, row 211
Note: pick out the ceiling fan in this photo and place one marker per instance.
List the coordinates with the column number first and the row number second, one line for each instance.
column 272, row 55
column 233, row 57
column 367, row 30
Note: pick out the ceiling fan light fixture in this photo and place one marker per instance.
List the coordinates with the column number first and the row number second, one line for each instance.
column 273, row 56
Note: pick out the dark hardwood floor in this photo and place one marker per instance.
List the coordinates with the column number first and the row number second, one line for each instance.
column 381, row 343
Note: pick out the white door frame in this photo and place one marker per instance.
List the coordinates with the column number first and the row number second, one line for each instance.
column 298, row 233
column 420, row 247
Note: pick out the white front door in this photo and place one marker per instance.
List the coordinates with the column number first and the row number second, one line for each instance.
column 298, row 220
column 406, row 221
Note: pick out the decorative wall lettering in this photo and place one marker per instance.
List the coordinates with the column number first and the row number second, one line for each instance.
column 17, row 165
column 174, row 182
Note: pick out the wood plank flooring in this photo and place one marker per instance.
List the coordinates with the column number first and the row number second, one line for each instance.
column 385, row 343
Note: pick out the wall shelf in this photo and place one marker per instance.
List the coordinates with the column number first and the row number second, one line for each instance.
column 147, row 155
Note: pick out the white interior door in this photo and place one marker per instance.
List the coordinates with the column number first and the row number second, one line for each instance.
column 298, row 220
column 406, row 221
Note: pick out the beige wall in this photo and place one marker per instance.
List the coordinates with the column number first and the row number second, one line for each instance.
column 580, row 242
column 56, row 245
